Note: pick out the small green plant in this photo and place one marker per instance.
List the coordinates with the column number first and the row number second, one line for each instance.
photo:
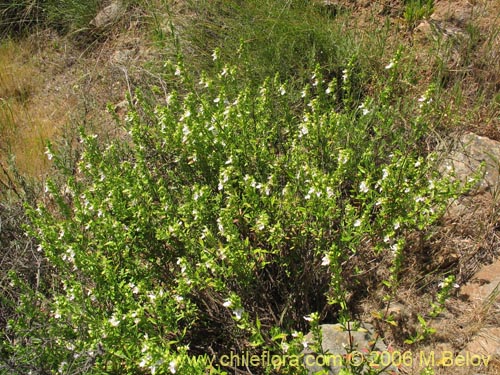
column 427, row 371
column 445, row 288
column 416, row 10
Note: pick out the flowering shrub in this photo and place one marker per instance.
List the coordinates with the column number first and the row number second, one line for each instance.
column 227, row 215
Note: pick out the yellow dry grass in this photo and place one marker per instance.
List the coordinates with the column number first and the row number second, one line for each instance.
column 27, row 117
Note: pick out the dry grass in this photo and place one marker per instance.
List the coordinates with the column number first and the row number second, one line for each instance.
column 17, row 74
column 28, row 118
column 32, row 108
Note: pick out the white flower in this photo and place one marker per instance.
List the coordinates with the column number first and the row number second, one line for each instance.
column 396, row 225
column 227, row 303
column 308, row 318
column 303, row 93
column 217, row 100
column 62, row 366
column 177, row 71
column 134, row 288
column 325, row 261
column 390, row 65
column 49, row 154
column 303, row 131
column 220, row 226
column 238, row 313
column 456, row 286
column 345, row 74
column 363, row 187
column 343, row 157
column 172, row 367
column 285, row 347
column 311, row 191
column 329, row 192
column 385, row 173
column 364, row 109
column 357, row 223
column 305, row 343
column 282, row 90
column 114, row 321
column 419, row 199
column 394, row 248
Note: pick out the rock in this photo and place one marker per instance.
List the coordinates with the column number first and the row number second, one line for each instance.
column 335, row 344
column 484, row 285
column 449, row 22
column 466, row 158
column 486, row 342
column 453, row 13
column 121, row 108
column 108, row 15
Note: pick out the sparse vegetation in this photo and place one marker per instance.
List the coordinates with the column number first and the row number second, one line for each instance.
column 416, row 10
column 275, row 155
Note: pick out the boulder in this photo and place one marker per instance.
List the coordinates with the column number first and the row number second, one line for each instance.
column 472, row 155
column 484, row 287
column 108, row 15
column 362, row 343
column 486, row 343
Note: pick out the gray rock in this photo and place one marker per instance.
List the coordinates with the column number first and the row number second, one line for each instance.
column 108, row 15
column 473, row 154
column 337, row 342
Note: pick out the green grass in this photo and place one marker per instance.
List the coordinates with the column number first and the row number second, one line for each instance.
column 417, row 10
column 262, row 38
